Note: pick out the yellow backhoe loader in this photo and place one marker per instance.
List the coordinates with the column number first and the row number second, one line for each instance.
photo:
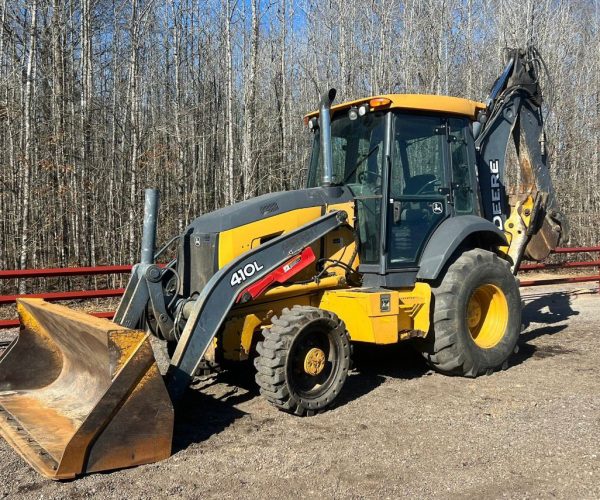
column 408, row 229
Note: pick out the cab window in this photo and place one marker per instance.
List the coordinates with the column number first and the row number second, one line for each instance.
column 462, row 167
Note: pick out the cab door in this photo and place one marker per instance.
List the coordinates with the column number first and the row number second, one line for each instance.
column 419, row 185
column 462, row 160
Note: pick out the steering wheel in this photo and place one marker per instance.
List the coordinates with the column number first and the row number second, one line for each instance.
column 422, row 188
column 362, row 177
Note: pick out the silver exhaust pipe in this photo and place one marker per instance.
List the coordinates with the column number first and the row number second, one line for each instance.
column 325, row 126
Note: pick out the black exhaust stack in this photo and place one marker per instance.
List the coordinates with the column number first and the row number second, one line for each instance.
column 325, row 128
column 150, row 223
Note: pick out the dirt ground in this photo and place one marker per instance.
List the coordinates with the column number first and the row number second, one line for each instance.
column 399, row 429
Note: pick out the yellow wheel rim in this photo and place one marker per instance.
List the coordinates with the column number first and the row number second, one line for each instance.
column 487, row 316
column 314, row 362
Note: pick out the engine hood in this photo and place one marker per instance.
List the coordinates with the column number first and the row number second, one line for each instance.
column 199, row 246
column 266, row 205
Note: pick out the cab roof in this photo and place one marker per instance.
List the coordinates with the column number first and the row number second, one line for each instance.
column 418, row 102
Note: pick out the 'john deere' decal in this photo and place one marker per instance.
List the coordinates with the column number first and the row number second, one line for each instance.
column 496, row 195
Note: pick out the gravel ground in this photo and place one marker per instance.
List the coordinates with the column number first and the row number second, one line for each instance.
column 532, row 431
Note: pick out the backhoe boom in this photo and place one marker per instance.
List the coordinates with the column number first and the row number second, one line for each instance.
column 527, row 210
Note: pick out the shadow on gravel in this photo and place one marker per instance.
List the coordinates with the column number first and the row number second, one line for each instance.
column 373, row 363
column 199, row 416
column 546, row 310
column 398, row 361
column 549, row 309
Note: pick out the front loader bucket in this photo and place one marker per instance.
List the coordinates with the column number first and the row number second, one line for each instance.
column 81, row 394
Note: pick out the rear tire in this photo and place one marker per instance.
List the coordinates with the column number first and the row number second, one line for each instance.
column 303, row 361
column 476, row 316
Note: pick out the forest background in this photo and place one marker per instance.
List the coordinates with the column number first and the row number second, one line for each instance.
column 204, row 100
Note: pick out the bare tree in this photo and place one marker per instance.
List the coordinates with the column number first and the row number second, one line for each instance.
column 101, row 98
column 229, row 155
column 250, row 107
column 28, row 143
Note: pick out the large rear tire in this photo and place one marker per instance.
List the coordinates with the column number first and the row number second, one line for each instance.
column 303, row 361
column 476, row 316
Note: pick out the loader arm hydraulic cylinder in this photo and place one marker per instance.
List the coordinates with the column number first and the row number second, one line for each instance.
column 212, row 306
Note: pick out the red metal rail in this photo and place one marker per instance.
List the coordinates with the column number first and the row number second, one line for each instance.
column 94, row 294
column 576, row 249
column 560, row 265
column 55, row 296
column 565, row 265
column 64, row 271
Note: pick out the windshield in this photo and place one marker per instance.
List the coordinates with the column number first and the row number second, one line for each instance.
column 357, row 147
column 357, row 150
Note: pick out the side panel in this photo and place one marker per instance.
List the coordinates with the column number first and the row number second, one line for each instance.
column 381, row 316
column 447, row 238
column 238, row 240
column 406, row 314
column 369, row 315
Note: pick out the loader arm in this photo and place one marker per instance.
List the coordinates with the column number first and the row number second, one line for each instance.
column 210, row 309
column 205, row 314
column 526, row 211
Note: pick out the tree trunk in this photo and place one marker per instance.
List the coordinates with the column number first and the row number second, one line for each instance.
column 28, row 143
column 229, row 179
column 250, row 109
column 134, row 129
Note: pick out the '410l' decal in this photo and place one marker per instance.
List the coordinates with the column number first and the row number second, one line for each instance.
column 244, row 273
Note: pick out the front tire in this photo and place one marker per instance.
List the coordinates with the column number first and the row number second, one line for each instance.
column 303, row 361
column 476, row 316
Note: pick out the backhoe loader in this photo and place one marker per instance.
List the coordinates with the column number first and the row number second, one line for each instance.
column 408, row 229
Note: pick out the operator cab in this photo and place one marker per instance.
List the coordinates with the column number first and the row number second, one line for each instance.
column 408, row 170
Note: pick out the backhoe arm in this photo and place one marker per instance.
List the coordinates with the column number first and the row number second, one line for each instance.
column 526, row 210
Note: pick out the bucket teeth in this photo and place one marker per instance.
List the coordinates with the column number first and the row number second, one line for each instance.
column 82, row 394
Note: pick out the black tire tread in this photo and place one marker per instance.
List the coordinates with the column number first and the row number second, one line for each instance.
column 442, row 351
column 273, row 352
